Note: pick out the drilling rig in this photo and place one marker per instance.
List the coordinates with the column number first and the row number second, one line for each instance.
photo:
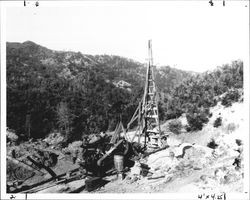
column 148, row 131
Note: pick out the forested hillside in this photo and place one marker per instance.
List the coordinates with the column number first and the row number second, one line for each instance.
column 195, row 96
column 73, row 93
column 79, row 94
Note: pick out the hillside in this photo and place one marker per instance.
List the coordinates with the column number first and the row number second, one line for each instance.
column 44, row 86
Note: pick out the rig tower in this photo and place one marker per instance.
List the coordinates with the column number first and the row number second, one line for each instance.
column 149, row 109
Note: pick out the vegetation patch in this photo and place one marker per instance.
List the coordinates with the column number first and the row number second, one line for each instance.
column 238, row 142
column 196, row 121
column 175, row 126
column 217, row 122
column 212, row 144
column 230, row 97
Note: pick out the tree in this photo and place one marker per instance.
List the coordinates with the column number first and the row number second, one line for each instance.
column 64, row 119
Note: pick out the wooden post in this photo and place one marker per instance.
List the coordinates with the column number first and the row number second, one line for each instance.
column 27, row 125
column 139, row 122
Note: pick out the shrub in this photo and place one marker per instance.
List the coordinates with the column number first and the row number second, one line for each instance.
column 196, row 121
column 238, row 142
column 175, row 126
column 212, row 144
column 188, row 129
column 217, row 122
column 230, row 97
column 210, row 115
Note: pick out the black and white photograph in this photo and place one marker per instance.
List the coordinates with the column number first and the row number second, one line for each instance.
column 125, row 99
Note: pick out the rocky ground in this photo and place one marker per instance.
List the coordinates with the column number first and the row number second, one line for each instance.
column 189, row 164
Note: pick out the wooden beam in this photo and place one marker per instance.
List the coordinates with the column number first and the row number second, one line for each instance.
column 99, row 162
column 133, row 118
column 50, row 171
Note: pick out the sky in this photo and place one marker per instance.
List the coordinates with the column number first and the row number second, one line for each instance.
column 187, row 35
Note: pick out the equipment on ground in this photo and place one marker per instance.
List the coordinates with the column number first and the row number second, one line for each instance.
column 97, row 158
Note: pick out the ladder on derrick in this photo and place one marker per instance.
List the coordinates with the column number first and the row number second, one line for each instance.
column 150, row 113
column 147, row 113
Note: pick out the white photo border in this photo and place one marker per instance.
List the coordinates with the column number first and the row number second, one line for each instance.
column 174, row 196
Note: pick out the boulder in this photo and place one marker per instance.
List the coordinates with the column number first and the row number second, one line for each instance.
column 197, row 156
column 74, row 146
column 172, row 141
column 11, row 136
column 54, row 138
column 136, row 169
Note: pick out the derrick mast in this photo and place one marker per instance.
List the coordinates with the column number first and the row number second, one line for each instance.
column 147, row 114
column 149, row 109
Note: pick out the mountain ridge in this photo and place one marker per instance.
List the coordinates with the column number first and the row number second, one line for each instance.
column 122, row 67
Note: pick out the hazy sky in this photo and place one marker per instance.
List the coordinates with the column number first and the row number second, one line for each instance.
column 188, row 35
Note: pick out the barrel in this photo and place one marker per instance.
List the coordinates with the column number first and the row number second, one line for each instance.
column 118, row 162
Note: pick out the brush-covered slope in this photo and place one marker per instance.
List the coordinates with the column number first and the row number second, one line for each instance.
column 74, row 92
